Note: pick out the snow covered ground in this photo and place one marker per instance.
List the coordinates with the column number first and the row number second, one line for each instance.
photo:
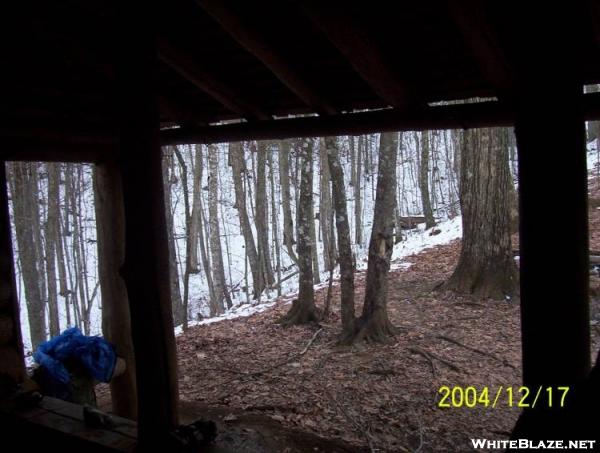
column 415, row 242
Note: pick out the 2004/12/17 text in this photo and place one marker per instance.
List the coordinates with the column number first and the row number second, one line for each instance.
column 457, row 396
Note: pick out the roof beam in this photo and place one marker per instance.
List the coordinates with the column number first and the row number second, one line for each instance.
column 186, row 67
column 457, row 116
column 245, row 33
column 178, row 111
column 461, row 116
column 594, row 9
column 486, row 114
column 363, row 54
column 471, row 20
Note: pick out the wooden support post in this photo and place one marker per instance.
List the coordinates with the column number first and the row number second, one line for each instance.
column 116, row 324
column 146, row 267
column 555, row 326
column 554, row 280
column 550, row 132
column 11, row 344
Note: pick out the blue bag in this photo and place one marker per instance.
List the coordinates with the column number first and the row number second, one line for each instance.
column 95, row 353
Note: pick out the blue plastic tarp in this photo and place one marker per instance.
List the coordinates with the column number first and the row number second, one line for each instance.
column 95, row 353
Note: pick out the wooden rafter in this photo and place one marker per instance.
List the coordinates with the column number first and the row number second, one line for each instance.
column 248, row 36
column 186, row 67
column 479, row 36
column 179, row 111
column 459, row 116
column 446, row 117
column 363, row 54
column 595, row 17
column 82, row 147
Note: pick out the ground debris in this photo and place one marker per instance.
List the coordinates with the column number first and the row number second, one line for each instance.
column 368, row 397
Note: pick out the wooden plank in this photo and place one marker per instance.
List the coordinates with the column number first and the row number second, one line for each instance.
column 486, row 114
column 363, row 54
column 121, row 425
column 460, row 116
column 243, row 30
column 186, row 67
column 479, row 37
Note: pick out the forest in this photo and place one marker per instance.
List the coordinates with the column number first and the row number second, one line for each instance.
column 233, row 219
column 305, row 232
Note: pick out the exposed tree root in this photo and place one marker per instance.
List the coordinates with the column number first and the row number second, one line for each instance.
column 479, row 351
column 485, row 282
column 300, row 314
column 430, row 356
column 376, row 329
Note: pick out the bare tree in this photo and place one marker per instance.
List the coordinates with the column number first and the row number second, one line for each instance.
column 195, row 218
column 486, row 267
column 51, row 233
column 169, row 179
column 424, row 180
column 262, row 214
column 356, row 186
column 303, row 309
column 284, row 183
column 343, row 237
column 326, row 211
column 221, row 294
column 183, row 171
column 374, row 324
column 236, row 159
column 24, row 196
column 275, row 220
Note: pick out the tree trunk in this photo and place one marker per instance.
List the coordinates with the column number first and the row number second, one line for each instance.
column 424, row 181
column 303, row 309
column 275, row 221
column 357, row 191
column 397, row 193
column 116, row 326
column 188, row 234
column 374, row 324
column 220, row 286
column 262, row 214
column 23, row 197
column 313, row 239
column 195, row 220
column 325, row 211
column 236, row 155
column 63, row 287
column 178, row 314
column 203, row 232
column 486, row 267
column 343, row 237
column 51, row 232
column 284, row 182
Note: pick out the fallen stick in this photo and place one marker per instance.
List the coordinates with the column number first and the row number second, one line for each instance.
column 479, row 351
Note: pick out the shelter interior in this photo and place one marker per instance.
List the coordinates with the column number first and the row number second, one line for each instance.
column 111, row 82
